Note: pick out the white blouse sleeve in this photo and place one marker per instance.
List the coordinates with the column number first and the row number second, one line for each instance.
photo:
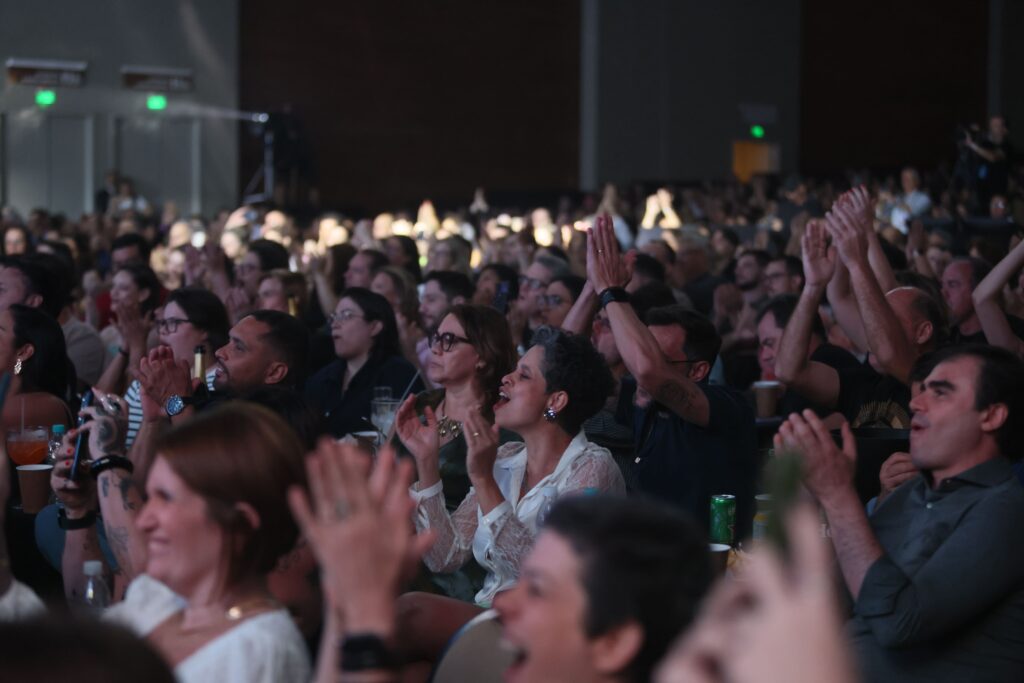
column 454, row 531
column 503, row 540
column 20, row 602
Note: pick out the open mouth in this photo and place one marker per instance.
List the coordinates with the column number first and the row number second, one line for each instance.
column 517, row 654
column 502, row 399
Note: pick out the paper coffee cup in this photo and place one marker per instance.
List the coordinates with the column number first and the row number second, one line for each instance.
column 719, row 558
column 366, row 439
column 34, row 481
column 766, row 395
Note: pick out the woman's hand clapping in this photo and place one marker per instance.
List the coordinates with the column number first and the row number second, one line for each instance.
column 421, row 438
column 482, row 443
column 358, row 524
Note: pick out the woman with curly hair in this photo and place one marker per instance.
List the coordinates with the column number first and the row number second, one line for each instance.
column 560, row 382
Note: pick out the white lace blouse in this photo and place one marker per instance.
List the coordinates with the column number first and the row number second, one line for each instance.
column 266, row 648
column 501, row 539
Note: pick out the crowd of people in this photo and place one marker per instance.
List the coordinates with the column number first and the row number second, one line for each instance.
column 574, row 387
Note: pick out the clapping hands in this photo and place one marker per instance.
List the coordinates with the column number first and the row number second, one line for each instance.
column 357, row 519
column 818, row 255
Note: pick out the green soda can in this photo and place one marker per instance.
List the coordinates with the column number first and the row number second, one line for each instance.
column 723, row 518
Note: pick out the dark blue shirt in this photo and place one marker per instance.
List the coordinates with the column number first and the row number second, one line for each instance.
column 685, row 464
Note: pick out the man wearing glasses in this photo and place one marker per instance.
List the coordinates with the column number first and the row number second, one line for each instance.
column 694, row 439
column 532, row 286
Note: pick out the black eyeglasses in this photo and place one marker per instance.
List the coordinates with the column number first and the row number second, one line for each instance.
column 447, row 341
column 552, row 300
column 344, row 315
column 531, row 283
column 169, row 325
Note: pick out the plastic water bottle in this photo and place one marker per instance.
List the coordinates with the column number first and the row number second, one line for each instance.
column 56, row 437
column 96, row 595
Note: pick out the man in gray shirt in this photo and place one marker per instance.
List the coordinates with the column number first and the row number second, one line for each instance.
column 937, row 572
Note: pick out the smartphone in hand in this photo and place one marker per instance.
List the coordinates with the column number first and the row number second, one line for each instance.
column 76, row 470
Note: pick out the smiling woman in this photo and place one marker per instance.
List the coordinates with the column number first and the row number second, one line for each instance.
column 215, row 523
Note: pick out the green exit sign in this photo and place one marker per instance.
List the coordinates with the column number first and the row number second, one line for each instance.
column 156, row 103
column 757, row 132
column 45, row 98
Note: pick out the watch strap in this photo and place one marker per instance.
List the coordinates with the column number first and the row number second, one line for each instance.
column 614, row 294
column 365, row 652
column 110, row 462
column 71, row 524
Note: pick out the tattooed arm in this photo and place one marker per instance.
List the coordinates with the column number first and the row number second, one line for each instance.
column 664, row 379
column 80, row 545
column 120, row 498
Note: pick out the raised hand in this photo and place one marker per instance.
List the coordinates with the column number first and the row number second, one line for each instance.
column 195, row 267
column 347, row 509
column 861, row 207
column 160, row 377
column 818, row 256
column 107, row 426
column 848, row 235
column 133, row 325
column 214, row 258
column 827, row 468
column 420, row 437
column 238, row 304
column 605, row 265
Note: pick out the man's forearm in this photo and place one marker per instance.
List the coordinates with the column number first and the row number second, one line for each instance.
column 791, row 356
column 879, row 263
column 855, row 543
column 885, row 336
column 582, row 313
column 844, row 308
column 639, row 350
column 644, row 359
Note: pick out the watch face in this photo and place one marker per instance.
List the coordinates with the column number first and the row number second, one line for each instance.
column 174, row 405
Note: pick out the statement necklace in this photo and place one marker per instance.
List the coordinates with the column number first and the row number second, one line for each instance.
column 447, row 426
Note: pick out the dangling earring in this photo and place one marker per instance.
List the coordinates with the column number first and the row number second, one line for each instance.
column 17, row 367
column 550, row 415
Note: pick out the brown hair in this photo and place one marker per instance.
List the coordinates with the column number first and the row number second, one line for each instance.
column 488, row 332
column 241, row 453
column 293, row 285
column 404, row 284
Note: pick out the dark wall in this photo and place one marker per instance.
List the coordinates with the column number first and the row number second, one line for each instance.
column 1012, row 70
column 399, row 101
column 672, row 76
column 886, row 83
